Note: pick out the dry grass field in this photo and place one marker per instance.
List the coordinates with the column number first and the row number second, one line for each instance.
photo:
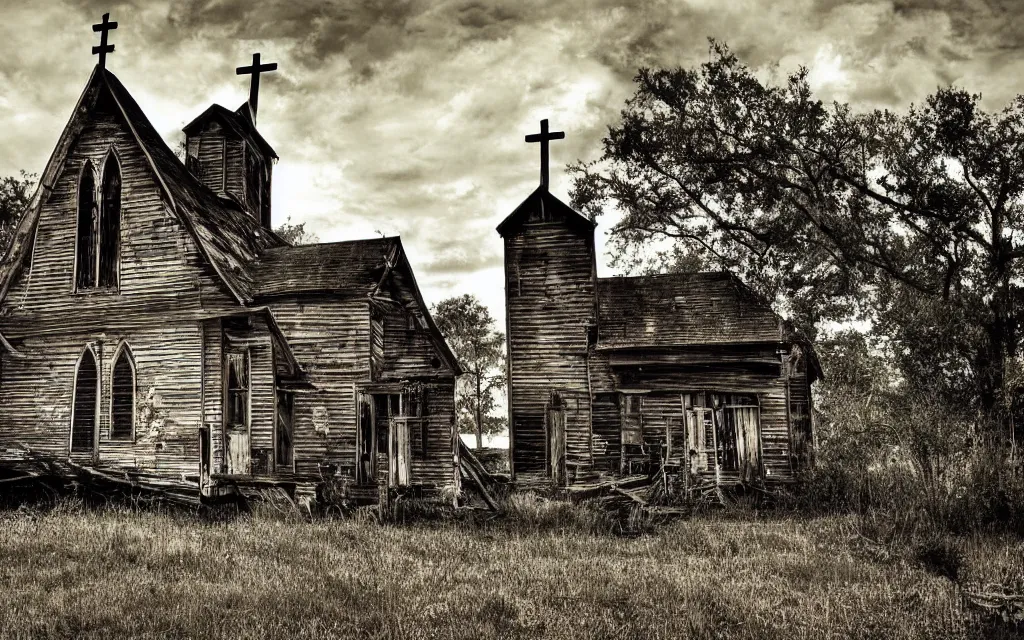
column 75, row 573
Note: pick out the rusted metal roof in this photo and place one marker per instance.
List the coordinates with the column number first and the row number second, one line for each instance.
column 346, row 268
column 685, row 309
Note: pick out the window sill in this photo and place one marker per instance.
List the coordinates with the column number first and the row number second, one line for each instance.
column 97, row 291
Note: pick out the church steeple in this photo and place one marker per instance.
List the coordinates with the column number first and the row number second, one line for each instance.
column 226, row 152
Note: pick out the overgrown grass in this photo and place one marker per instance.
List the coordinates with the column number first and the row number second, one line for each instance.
column 549, row 570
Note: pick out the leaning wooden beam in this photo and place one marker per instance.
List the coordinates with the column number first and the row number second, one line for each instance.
column 471, row 473
column 465, row 453
column 28, row 476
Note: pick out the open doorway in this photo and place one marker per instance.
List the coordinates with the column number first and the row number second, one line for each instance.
column 388, row 424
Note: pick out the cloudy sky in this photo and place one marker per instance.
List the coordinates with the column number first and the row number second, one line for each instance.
column 408, row 117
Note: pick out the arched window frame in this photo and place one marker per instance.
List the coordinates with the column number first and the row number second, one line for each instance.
column 74, row 397
column 124, row 349
column 109, row 159
column 87, row 166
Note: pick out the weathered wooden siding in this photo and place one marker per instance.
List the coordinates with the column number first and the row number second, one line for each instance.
column 212, row 145
column 234, row 165
column 664, row 385
column 165, row 288
column 331, row 341
column 549, row 271
column 163, row 277
column 607, row 432
column 408, row 353
column 213, row 389
column 36, row 396
column 257, row 342
column 376, row 343
column 437, row 466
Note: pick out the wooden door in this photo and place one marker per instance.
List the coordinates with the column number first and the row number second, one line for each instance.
column 556, row 444
column 366, row 439
column 400, row 453
column 237, row 441
column 748, row 443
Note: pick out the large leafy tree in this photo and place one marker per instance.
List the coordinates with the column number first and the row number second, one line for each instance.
column 14, row 196
column 911, row 220
column 468, row 327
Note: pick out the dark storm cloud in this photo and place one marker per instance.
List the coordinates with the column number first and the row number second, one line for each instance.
column 408, row 117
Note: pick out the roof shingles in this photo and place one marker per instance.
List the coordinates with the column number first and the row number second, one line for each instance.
column 682, row 309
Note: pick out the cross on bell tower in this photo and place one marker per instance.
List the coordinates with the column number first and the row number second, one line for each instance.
column 103, row 48
column 543, row 138
column 254, row 70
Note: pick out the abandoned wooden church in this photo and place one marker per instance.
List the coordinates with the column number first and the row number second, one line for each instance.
column 688, row 372
column 154, row 327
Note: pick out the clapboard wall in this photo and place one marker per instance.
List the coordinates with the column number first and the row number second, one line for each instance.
column 165, row 291
column 549, row 290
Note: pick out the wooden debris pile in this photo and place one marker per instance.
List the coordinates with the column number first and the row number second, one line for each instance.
column 28, row 470
column 476, row 477
column 995, row 603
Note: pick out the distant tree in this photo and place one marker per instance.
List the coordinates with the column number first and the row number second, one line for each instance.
column 296, row 234
column 15, row 194
column 468, row 327
column 913, row 221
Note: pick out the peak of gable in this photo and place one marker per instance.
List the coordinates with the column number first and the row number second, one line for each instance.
column 228, row 239
column 542, row 206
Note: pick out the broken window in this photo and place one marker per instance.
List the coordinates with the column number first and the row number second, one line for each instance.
column 84, row 404
column 122, row 396
column 723, row 432
column 110, row 223
column 238, row 389
column 88, row 218
column 399, row 422
column 285, row 427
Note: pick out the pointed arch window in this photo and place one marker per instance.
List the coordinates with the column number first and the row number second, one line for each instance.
column 122, row 395
column 85, row 403
column 110, row 223
column 88, row 229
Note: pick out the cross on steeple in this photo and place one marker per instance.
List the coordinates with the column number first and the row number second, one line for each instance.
column 255, row 69
column 543, row 138
column 103, row 48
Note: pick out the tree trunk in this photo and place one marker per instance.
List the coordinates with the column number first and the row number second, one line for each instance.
column 479, row 417
column 1000, row 345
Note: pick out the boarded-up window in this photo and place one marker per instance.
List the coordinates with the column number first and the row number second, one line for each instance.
column 238, row 389
column 88, row 219
column 285, row 427
column 110, row 223
column 122, row 396
column 83, row 421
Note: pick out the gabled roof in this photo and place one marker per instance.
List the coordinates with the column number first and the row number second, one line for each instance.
column 357, row 268
column 666, row 310
column 238, row 122
column 346, row 268
column 549, row 207
column 228, row 239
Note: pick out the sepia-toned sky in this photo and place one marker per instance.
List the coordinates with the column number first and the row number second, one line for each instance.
column 408, row 117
